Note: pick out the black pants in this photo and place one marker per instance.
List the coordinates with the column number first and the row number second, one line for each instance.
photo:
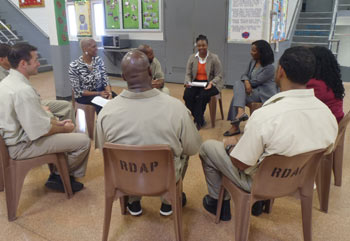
column 196, row 100
column 86, row 100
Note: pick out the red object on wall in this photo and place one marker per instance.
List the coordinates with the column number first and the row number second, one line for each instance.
column 31, row 3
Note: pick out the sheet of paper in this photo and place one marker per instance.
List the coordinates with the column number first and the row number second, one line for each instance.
column 98, row 100
column 198, row 84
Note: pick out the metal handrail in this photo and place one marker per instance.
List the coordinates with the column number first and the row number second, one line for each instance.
column 334, row 20
column 9, row 40
column 297, row 8
column 28, row 18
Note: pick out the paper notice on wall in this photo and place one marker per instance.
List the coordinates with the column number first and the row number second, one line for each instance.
column 246, row 20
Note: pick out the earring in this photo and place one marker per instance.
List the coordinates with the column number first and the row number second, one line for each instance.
column 86, row 53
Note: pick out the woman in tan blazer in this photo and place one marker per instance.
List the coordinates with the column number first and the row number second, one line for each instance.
column 203, row 66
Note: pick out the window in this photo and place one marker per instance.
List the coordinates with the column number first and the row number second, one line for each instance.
column 71, row 21
column 99, row 19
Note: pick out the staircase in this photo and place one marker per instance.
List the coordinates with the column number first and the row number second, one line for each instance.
column 10, row 36
column 313, row 29
column 344, row 5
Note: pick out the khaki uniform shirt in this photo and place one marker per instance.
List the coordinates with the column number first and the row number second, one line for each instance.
column 22, row 117
column 289, row 123
column 156, row 69
column 3, row 73
column 148, row 118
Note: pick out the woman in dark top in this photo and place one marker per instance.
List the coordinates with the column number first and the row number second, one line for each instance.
column 204, row 66
column 256, row 84
column 327, row 82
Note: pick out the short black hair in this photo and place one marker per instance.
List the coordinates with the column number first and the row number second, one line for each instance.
column 299, row 64
column 328, row 70
column 20, row 52
column 202, row 37
column 4, row 50
column 265, row 52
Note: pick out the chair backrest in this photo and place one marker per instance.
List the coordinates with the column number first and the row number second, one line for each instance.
column 139, row 170
column 4, row 154
column 342, row 127
column 279, row 176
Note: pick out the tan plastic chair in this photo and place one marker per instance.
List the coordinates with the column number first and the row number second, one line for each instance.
column 277, row 176
column 14, row 172
column 212, row 108
column 140, row 171
column 89, row 115
column 332, row 161
column 254, row 106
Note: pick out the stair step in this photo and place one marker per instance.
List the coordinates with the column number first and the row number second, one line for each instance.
column 315, row 14
column 344, row 1
column 308, row 32
column 344, row 7
column 315, row 26
column 312, row 39
column 315, row 20
column 22, row 41
column 307, row 44
column 45, row 68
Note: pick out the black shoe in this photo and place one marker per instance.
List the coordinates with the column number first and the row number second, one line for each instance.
column 166, row 210
column 54, row 182
column 134, row 208
column 76, row 186
column 258, row 208
column 228, row 133
column 243, row 117
column 210, row 204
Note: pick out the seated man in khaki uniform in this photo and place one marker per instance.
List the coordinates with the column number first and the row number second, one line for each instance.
column 61, row 109
column 28, row 130
column 142, row 115
column 157, row 73
column 291, row 122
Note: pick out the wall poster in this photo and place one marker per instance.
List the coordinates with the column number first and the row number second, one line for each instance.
column 112, row 14
column 31, row 3
column 279, row 20
column 150, row 14
column 246, row 19
column 83, row 18
column 130, row 14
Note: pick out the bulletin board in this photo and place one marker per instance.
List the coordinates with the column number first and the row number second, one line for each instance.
column 279, row 20
column 135, row 15
column 130, row 14
column 150, row 14
column 31, row 3
column 61, row 22
column 112, row 14
column 246, row 20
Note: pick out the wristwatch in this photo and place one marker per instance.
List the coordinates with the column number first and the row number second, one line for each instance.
column 228, row 148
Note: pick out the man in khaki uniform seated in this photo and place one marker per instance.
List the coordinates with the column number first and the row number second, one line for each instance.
column 157, row 73
column 291, row 122
column 28, row 130
column 61, row 109
column 142, row 115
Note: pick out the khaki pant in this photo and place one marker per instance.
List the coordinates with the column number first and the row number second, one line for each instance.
column 75, row 145
column 61, row 109
column 216, row 163
column 180, row 173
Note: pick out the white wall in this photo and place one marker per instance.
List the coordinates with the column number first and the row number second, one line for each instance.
column 342, row 33
column 38, row 15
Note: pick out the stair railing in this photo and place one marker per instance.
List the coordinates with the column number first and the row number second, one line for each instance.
column 9, row 40
column 331, row 33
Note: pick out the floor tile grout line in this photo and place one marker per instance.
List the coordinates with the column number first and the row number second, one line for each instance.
column 29, row 230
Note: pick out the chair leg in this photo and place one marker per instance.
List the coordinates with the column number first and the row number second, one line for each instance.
column 306, row 211
column 219, row 206
column 323, row 182
column 242, row 218
column 268, row 206
column 338, row 163
column 62, row 168
column 107, row 218
column 123, row 202
column 222, row 112
column 212, row 108
column 1, row 177
column 177, row 204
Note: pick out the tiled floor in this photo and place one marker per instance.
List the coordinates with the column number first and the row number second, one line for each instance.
column 46, row 215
